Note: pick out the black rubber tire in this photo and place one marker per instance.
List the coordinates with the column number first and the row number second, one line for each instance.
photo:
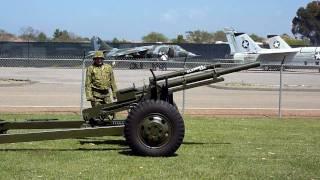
column 134, row 124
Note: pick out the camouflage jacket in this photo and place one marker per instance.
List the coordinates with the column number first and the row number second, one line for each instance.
column 99, row 79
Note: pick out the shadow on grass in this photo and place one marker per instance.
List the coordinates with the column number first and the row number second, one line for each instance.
column 102, row 142
column 121, row 143
column 123, row 150
column 64, row 150
column 203, row 143
column 129, row 152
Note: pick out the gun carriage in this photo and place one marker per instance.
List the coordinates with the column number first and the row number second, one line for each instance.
column 153, row 127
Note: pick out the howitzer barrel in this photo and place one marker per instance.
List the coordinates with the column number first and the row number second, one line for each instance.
column 237, row 68
column 201, row 76
column 185, row 72
column 190, row 80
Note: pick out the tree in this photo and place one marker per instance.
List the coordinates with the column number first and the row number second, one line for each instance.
column 61, row 36
column 154, row 37
column 220, row 36
column 306, row 23
column 29, row 33
column 65, row 36
column 116, row 40
column 256, row 38
column 295, row 42
column 179, row 39
column 42, row 37
column 199, row 37
column 56, row 34
column 5, row 36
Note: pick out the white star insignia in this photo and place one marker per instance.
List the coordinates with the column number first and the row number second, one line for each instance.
column 276, row 44
column 317, row 56
column 245, row 44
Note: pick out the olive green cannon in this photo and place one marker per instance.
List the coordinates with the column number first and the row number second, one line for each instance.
column 153, row 127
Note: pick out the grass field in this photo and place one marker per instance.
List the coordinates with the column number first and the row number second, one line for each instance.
column 214, row 148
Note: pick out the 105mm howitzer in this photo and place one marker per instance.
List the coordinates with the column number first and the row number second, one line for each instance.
column 153, row 127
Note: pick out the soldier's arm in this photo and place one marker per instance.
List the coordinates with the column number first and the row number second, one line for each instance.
column 113, row 83
column 88, row 84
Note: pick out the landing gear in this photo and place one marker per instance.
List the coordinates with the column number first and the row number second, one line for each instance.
column 154, row 128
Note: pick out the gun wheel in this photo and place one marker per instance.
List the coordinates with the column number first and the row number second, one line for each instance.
column 154, row 128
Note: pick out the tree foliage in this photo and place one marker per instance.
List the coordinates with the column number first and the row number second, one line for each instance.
column 42, row 37
column 256, row 38
column 179, row 39
column 29, row 33
column 295, row 42
column 116, row 40
column 154, row 37
column 65, row 36
column 199, row 36
column 219, row 36
column 306, row 23
column 5, row 36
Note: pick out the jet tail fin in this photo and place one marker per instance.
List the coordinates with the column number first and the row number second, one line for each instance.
column 276, row 42
column 231, row 40
column 240, row 42
column 99, row 45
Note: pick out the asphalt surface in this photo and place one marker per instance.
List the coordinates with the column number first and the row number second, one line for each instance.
column 246, row 91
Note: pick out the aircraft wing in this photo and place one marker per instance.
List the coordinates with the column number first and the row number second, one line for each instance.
column 279, row 51
column 277, row 54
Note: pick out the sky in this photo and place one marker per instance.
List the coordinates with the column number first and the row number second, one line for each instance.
column 132, row 19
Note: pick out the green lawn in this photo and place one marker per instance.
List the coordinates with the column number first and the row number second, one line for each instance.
column 214, row 148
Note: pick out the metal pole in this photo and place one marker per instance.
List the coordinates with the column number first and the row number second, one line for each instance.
column 280, row 93
column 183, row 92
column 82, row 82
column 280, row 89
column 28, row 51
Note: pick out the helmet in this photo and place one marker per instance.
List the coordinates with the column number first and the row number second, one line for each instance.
column 98, row 54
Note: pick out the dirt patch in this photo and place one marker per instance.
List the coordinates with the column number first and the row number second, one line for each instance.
column 15, row 82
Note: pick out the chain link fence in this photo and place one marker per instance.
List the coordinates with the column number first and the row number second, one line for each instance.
column 57, row 83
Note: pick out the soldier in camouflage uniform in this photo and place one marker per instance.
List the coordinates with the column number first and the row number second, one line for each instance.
column 100, row 83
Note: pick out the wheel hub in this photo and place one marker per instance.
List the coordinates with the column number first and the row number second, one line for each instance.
column 155, row 130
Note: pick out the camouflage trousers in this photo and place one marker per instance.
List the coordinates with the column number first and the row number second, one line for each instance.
column 100, row 97
column 99, row 101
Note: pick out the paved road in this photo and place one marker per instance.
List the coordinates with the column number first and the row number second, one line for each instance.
column 52, row 87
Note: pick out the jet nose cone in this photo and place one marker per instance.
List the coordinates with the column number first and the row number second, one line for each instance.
column 190, row 54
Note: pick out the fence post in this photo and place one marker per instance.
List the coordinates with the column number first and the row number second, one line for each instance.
column 280, row 88
column 82, row 82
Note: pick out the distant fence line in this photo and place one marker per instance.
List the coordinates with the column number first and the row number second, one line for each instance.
column 145, row 63
column 56, row 49
column 151, row 63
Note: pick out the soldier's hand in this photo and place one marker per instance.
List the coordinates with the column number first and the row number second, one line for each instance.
column 90, row 99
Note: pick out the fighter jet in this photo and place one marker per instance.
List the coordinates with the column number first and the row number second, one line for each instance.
column 276, row 42
column 244, row 48
column 152, row 51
